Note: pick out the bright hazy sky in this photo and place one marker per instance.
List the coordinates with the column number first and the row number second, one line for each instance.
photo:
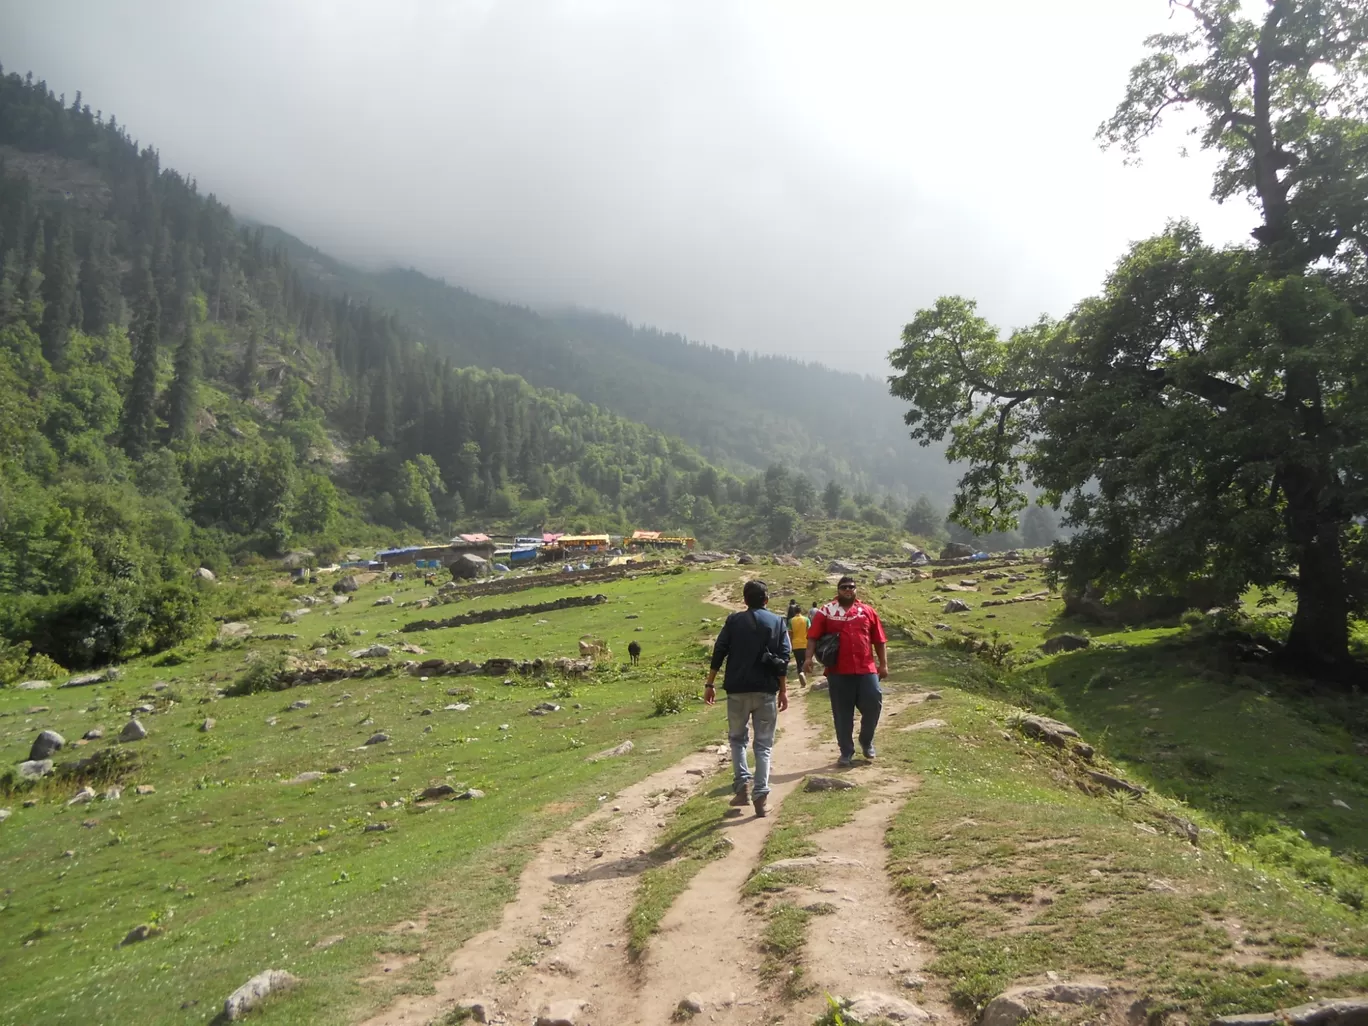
column 784, row 176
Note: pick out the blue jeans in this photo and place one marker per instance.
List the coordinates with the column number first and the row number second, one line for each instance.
column 743, row 708
column 851, row 691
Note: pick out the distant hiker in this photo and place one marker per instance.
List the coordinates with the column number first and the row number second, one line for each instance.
column 812, row 611
column 853, row 676
column 798, row 631
column 634, row 651
column 755, row 647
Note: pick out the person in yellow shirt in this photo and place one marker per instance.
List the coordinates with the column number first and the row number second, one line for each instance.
column 798, row 628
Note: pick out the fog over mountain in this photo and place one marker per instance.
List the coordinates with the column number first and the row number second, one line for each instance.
column 782, row 177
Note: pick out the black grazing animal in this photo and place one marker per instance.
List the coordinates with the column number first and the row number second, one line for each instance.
column 634, row 650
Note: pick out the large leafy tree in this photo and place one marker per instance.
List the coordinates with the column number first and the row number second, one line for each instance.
column 1203, row 419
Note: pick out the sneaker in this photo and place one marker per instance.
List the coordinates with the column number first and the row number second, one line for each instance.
column 846, row 761
column 760, row 806
column 869, row 753
column 742, row 797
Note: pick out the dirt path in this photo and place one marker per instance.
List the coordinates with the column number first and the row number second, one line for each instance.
column 563, row 939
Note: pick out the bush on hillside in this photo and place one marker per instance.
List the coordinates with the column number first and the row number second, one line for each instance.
column 669, row 699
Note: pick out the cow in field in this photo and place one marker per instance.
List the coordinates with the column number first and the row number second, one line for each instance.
column 634, row 650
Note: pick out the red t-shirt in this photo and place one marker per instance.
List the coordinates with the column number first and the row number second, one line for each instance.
column 859, row 628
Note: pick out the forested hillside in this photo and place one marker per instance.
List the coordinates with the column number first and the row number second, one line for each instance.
column 173, row 394
column 741, row 411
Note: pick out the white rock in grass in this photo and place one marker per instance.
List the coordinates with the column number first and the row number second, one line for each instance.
column 255, row 990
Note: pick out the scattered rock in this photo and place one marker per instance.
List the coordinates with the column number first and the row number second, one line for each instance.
column 956, row 606
column 374, row 652
column 235, row 629
column 34, row 685
column 1004, row 1011
column 456, row 707
column 934, row 696
column 957, row 550
column 611, row 753
column 837, row 566
column 927, row 725
column 255, row 990
column 144, row 789
column 568, row 1012
column 692, row 1004
column 1064, row 643
column 377, row 739
column 437, row 791
column 45, row 745
column 1338, row 803
column 208, row 725
column 133, row 731
column 479, row 1009
column 35, row 769
column 871, row 1006
column 5, row 814
column 324, row 943
column 384, row 600
column 1334, row 1012
column 81, row 797
column 1052, row 732
column 745, row 559
column 470, row 794
column 139, row 933
column 300, row 703
column 113, row 793
column 93, row 734
column 346, row 585
column 828, row 784
column 341, row 600
column 913, row 982
column 375, row 828
column 1115, row 783
column 307, row 777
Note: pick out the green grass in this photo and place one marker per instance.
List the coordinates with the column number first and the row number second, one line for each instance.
column 1010, row 870
column 245, row 871
column 690, row 842
column 803, row 814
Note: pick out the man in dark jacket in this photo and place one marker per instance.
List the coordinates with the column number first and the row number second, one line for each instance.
column 755, row 646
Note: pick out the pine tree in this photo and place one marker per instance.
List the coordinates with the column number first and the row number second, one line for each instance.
column 184, row 394
column 140, row 408
column 60, row 306
column 247, row 377
column 98, row 282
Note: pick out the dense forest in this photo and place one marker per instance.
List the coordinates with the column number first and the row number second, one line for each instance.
column 175, row 393
column 742, row 411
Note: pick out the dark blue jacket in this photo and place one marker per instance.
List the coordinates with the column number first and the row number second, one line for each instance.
column 740, row 643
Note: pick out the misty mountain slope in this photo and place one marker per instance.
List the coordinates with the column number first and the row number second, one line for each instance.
column 740, row 410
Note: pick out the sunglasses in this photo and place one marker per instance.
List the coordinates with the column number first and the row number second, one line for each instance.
column 846, row 587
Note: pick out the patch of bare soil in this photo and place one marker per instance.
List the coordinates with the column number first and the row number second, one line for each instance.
column 564, row 935
column 721, row 595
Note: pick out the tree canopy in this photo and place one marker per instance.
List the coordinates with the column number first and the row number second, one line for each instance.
column 1202, row 420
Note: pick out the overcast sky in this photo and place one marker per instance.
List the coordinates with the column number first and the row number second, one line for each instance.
column 785, row 176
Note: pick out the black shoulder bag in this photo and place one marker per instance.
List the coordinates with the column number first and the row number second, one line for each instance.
column 774, row 665
column 827, row 648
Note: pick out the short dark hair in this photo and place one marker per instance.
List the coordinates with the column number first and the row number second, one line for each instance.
column 755, row 593
column 847, row 579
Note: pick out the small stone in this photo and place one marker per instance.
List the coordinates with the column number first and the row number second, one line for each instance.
column 1338, row 803
column 690, row 1005
column 377, row 739
column 208, row 725
column 85, row 794
column 133, row 731
column 913, row 982
column 870, row 1006
column 503, row 726
column 144, row 789
column 373, row 828
column 932, row 724
column 470, row 794
column 307, row 777
column 437, row 791
column 611, row 753
column 302, row 703
column 113, row 793
column 384, row 600
column 139, row 933
column 828, row 784
column 1065, row 643
column 569, row 1012
column 45, row 745
column 479, row 1009
column 456, row 707
column 93, row 734
column 255, row 990
column 1004, row 1011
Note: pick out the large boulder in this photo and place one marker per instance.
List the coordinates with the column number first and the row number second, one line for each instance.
column 204, row 574
column 468, row 566
column 838, row 566
column 346, row 585
column 296, row 559
column 35, row 769
column 235, row 629
column 45, row 744
column 957, row 550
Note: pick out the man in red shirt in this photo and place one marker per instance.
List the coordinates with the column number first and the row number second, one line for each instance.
column 854, row 680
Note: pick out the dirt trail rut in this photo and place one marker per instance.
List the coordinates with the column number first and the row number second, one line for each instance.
column 564, row 937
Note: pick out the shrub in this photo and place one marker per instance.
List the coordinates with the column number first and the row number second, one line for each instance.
column 671, row 698
column 261, row 674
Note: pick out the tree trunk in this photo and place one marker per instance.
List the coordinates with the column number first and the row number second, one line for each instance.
column 1319, row 642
